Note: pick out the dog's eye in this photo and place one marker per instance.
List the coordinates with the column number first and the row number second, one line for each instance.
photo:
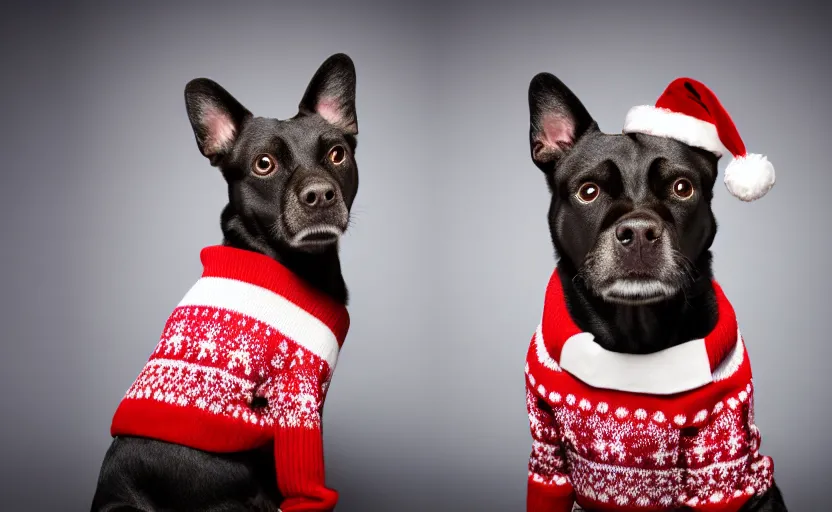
column 337, row 155
column 264, row 165
column 683, row 188
column 588, row 192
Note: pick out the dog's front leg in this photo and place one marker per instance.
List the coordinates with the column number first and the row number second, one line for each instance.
column 771, row 501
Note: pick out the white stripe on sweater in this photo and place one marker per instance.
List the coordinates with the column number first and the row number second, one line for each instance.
column 267, row 307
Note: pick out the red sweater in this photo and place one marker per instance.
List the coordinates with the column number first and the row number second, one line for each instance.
column 640, row 432
column 248, row 328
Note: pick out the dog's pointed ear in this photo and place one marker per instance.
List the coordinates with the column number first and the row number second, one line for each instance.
column 216, row 117
column 331, row 94
column 558, row 120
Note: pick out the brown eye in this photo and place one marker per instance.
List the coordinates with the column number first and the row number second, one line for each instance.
column 683, row 188
column 588, row 192
column 337, row 155
column 264, row 165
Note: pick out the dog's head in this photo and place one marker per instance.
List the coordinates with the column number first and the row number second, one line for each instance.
column 291, row 182
column 630, row 214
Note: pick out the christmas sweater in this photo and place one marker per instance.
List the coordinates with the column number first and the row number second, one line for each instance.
column 653, row 432
column 244, row 361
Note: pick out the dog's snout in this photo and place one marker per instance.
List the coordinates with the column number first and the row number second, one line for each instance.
column 637, row 231
column 318, row 194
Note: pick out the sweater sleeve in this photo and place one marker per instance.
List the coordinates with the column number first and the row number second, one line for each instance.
column 549, row 487
column 298, row 444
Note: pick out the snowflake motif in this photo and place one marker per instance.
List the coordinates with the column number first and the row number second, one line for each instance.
column 701, row 448
column 600, row 446
column 734, row 443
column 662, row 455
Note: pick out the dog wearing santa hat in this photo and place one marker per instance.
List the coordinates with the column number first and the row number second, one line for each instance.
column 638, row 383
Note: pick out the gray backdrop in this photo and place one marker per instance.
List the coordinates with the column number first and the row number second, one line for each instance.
column 106, row 203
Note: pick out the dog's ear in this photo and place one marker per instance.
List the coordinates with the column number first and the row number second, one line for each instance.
column 558, row 120
column 331, row 94
column 216, row 117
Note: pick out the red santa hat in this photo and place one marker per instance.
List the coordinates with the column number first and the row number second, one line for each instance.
column 689, row 112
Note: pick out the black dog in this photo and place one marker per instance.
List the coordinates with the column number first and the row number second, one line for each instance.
column 631, row 222
column 291, row 185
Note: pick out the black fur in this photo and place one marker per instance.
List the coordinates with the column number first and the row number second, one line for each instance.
column 635, row 228
column 264, row 214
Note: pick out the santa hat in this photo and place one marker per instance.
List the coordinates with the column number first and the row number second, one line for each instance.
column 689, row 112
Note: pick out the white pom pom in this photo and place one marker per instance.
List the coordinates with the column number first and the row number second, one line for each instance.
column 749, row 177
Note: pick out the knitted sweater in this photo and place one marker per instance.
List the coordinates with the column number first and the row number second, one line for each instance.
column 244, row 360
column 640, row 432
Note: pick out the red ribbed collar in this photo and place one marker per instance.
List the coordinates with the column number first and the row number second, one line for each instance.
column 260, row 270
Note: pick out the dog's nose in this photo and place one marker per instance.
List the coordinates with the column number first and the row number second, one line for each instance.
column 318, row 194
column 637, row 231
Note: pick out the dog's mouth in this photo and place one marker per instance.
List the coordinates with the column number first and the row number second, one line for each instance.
column 317, row 236
column 637, row 291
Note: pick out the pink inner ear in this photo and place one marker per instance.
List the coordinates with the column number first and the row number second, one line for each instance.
column 558, row 131
column 220, row 129
column 330, row 109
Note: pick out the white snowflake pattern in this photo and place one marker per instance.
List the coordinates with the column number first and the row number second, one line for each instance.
column 214, row 360
column 641, row 457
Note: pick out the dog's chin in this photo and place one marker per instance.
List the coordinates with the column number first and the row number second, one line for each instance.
column 317, row 238
column 637, row 291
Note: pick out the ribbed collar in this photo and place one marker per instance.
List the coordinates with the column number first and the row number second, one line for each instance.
column 260, row 270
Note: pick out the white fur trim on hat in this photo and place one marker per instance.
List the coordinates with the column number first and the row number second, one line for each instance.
column 662, row 122
column 749, row 177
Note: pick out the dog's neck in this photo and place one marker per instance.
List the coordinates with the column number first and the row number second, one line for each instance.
column 648, row 328
column 321, row 270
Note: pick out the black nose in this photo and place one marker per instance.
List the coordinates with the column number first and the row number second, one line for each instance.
column 637, row 231
column 318, row 194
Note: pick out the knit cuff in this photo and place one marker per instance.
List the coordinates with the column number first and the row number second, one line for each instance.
column 300, row 469
column 549, row 498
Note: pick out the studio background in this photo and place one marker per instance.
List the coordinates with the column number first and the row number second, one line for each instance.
column 106, row 202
